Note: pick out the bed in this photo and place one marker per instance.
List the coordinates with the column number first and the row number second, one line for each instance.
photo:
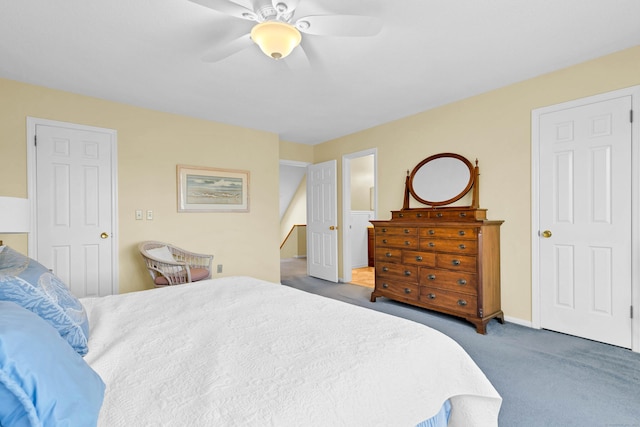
column 239, row 351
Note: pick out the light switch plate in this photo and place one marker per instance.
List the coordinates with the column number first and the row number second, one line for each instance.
column 138, row 214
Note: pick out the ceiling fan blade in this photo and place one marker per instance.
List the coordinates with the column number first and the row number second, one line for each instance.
column 228, row 49
column 339, row 25
column 228, row 7
column 298, row 59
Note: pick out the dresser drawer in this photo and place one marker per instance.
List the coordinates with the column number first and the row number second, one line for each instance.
column 454, row 301
column 389, row 255
column 396, row 231
column 405, row 273
column 408, row 242
column 449, row 232
column 452, row 215
column 456, row 262
column 409, row 215
column 402, row 290
column 459, row 281
column 419, row 258
column 449, row 245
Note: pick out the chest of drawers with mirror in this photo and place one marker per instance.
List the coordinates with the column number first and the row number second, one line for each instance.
column 441, row 256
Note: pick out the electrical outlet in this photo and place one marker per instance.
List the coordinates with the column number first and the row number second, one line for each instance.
column 219, row 270
column 149, row 215
column 138, row 214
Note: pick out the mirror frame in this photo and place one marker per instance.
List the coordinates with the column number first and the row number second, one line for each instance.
column 464, row 160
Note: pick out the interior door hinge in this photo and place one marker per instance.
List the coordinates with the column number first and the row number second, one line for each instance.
column 631, row 312
column 35, row 140
column 631, row 116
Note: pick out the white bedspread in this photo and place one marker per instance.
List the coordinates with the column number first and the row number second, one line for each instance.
column 238, row 351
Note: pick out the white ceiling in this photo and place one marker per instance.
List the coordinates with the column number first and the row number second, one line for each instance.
column 148, row 53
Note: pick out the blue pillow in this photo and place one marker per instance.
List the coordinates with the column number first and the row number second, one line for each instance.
column 43, row 382
column 31, row 285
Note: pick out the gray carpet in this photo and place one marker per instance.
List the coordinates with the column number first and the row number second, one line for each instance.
column 545, row 378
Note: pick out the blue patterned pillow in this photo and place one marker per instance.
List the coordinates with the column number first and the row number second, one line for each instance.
column 31, row 285
column 43, row 382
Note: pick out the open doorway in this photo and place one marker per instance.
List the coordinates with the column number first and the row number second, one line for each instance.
column 358, row 208
column 359, row 205
column 293, row 209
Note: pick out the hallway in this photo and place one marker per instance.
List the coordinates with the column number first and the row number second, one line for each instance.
column 297, row 267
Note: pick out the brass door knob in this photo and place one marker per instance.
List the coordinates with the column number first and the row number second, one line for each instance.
column 546, row 234
column 333, row 227
column 104, row 235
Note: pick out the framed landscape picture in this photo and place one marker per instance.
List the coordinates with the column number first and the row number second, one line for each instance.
column 204, row 189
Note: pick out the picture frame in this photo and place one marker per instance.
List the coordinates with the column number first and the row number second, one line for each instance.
column 207, row 189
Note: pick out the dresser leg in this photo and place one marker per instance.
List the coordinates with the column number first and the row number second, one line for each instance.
column 481, row 324
column 373, row 297
column 481, row 327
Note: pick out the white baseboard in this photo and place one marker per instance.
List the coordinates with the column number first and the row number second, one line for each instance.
column 517, row 321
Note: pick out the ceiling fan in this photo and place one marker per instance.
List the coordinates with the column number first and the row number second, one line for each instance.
column 277, row 29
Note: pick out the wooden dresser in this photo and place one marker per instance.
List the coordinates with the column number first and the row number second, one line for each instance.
column 445, row 259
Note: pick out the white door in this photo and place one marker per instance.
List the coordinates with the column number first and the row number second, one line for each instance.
column 322, row 222
column 585, row 221
column 74, row 189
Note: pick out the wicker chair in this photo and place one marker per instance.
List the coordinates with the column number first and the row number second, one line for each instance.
column 169, row 265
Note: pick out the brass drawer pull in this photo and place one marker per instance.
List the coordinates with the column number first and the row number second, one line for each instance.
column 431, row 296
column 455, row 262
column 406, row 231
column 463, row 214
column 385, row 269
column 418, row 258
column 431, row 277
column 407, row 273
column 385, row 285
column 407, row 243
column 401, row 215
column 388, row 255
column 462, row 302
column 462, row 246
column 462, row 282
column 432, row 245
column 432, row 232
column 439, row 214
column 461, row 232
column 407, row 290
column 384, row 241
column 419, row 215
column 384, row 230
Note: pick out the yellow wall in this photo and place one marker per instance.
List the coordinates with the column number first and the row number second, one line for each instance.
column 495, row 128
column 296, row 152
column 150, row 145
column 362, row 181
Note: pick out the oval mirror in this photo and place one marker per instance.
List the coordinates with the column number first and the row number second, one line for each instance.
column 441, row 179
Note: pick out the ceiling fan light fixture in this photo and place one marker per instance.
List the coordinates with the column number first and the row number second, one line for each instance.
column 276, row 39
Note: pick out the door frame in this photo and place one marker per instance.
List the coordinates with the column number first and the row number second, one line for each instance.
column 634, row 92
column 32, row 190
column 346, row 205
